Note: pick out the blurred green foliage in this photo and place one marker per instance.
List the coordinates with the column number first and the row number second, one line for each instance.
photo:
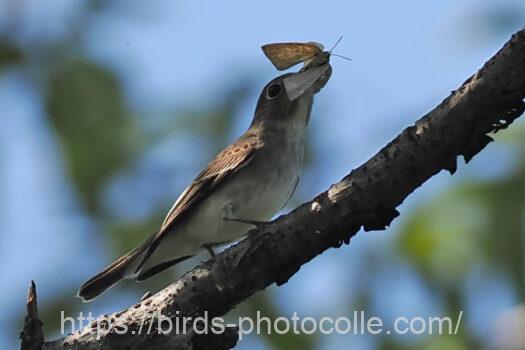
column 476, row 222
column 98, row 136
column 9, row 54
column 443, row 237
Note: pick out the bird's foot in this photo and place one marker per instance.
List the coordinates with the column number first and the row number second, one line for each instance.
column 255, row 223
column 209, row 248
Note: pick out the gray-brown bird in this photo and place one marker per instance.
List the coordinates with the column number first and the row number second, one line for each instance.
column 247, row 183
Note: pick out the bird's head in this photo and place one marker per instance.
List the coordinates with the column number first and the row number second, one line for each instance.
column 291, row 95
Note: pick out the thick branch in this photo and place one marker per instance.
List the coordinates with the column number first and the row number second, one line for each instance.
column 488, row 101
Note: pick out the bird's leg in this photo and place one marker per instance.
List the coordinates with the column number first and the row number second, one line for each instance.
column 255, row 223
column 209, row 248
column 229, row 213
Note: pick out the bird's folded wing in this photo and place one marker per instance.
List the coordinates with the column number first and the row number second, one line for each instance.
column 223, row 167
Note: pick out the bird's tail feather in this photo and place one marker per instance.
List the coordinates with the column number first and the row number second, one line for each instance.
column 118, row 270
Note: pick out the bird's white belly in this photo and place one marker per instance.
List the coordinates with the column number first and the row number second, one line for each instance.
column 254, row 197
column 257, row 198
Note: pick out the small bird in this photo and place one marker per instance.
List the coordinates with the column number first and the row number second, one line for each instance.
column 246, row 184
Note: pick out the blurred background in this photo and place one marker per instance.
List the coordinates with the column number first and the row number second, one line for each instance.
column 109, row 108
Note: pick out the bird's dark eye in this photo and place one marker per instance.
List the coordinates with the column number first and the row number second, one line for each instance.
column 273, row 91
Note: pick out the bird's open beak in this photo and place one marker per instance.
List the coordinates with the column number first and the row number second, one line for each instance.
column 298, row 83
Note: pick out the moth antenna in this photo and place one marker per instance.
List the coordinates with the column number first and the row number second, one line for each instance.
column 346, row 58
column 336, row 43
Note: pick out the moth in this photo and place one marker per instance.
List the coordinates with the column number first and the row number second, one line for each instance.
column 286, row 55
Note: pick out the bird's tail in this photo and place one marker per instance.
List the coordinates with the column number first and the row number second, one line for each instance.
column 123, row 267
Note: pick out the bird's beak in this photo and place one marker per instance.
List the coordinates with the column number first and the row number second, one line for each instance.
column 298, row 83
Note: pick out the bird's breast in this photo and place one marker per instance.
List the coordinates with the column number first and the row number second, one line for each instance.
column 275, row 175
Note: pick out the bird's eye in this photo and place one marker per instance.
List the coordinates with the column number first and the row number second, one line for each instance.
column 273, row 91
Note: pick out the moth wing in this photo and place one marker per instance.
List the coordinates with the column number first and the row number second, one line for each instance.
column 319, row 45
column 286, row 55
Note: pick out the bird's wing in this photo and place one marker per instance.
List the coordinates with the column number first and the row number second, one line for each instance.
column 222, row 168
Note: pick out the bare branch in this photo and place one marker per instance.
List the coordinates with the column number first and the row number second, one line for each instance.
column 32, row 336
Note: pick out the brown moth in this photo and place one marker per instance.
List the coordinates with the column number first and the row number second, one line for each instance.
column 286, row 55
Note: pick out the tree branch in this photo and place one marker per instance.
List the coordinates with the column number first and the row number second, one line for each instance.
column 367, row 197
column 32, row 336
